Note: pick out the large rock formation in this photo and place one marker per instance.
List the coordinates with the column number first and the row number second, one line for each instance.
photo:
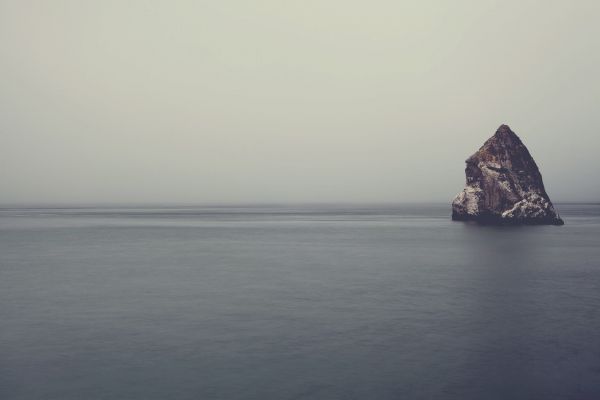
column 504, row 185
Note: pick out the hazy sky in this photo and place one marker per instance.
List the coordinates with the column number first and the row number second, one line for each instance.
column 276, row 101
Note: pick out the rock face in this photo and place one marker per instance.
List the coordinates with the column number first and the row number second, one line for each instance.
column 504, row 185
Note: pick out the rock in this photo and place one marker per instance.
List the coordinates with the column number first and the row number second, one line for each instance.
column 504, row 185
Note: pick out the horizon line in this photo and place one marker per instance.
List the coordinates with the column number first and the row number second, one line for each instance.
column 163, row 204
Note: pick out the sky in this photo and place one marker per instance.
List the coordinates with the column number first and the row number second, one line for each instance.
column 237, row 101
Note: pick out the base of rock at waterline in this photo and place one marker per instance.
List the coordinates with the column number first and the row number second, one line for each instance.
column 495, row 219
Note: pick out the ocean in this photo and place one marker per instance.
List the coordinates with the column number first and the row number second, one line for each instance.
column 296, row 302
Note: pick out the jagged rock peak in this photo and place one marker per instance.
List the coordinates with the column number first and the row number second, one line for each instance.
column 504, row 185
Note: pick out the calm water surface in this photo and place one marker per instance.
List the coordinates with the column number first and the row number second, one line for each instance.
column 307, row 302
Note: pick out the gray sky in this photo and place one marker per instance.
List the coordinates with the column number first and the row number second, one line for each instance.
column 302, row 101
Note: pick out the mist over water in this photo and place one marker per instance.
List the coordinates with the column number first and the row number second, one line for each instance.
column 314, row 101
column 282, row 302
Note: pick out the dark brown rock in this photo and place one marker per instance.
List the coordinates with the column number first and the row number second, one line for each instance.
column 504, row 185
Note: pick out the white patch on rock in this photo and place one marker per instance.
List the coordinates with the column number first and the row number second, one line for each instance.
column 468, row 200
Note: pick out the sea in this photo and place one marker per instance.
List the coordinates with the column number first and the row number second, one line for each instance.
column 296, row 302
